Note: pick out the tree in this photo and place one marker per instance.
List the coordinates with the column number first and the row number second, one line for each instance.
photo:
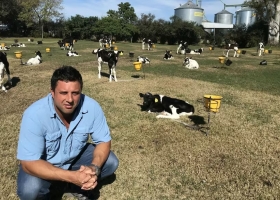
column 126, row 18
column 268, row 11
column 40, row 11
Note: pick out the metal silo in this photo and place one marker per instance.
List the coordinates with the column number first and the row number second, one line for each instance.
column 190, row 12
column 224, row 17
column 245, row 16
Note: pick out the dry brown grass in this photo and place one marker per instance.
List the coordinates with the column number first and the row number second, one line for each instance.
column 162, row 159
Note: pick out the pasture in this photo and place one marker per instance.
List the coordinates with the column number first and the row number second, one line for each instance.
column 160, row 158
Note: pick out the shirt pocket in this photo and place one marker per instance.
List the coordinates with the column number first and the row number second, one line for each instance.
column 53, row 143
column 80, row 138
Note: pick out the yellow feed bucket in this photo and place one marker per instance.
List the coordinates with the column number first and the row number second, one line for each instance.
column 137, row 65
column 113, row 42
column 210, row 48
column 266, row 51
column 48, row 50
column 212, row 102
column 238, row 51
column 222, row 60
column 18, row 54
column 153, row 46
column 67, row 44
column 3, row 44
column 115, row 48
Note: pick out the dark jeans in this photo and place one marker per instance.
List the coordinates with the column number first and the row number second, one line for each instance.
column 30, row 187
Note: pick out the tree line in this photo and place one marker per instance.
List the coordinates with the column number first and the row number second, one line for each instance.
column 43, row 18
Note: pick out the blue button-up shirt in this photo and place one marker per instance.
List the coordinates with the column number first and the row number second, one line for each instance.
column 44, row 136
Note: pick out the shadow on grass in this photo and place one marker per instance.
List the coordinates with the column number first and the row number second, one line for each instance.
column 60, row 189
column 15, row 81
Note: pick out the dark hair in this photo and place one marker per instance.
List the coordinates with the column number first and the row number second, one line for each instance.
column 66, row 73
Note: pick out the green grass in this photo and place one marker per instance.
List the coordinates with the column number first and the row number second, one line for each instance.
column 163, row 159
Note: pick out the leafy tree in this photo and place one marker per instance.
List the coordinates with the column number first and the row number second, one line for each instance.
column 268, row 11
column 146, row 26
column 125, row 19
column 39, row 11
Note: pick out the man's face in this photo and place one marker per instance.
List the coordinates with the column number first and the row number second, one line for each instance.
column 66, row 97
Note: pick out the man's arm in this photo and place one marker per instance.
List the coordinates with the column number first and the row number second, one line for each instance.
column 45, row 170
column 101, row 153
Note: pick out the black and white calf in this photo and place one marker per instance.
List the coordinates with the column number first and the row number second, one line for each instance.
column 231, row 47
column 168, row 107
column 144, row 60
column 105, row 42
column 18, row 45
column 72, row 53
column 4, row 48
column 4, row 66
column 66, row 43
column 34, row 61
column 182, row 46
column 109, row 57
column 148, row 42
column 168, row 55
column 260, row 49
column 190, row 63
column 196, row 51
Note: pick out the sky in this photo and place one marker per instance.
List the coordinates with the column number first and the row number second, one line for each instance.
column 161, row 9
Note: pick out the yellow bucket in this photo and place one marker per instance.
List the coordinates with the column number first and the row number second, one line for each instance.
column 222, row 60
column 212, row 102
column 3, row 44
column 137, row 65
column 113, row 42
column 238, row 51
column 153, row 46
column 48, row 50
column 18, row 54
column 210, row 48
column 67, row 44
column 266, row 51
column 115, row 48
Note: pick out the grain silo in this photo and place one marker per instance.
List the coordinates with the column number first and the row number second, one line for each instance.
column 224, row 17
column 190, row 12
column 245, row 16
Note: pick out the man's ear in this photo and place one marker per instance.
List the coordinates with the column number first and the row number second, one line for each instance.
column 52, row 92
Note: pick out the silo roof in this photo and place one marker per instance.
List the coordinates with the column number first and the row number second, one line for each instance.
column 224, row 12
column 189, row 4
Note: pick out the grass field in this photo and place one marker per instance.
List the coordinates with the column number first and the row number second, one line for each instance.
column 160, row 158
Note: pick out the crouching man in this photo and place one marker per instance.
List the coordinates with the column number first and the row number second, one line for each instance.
column 53, row 140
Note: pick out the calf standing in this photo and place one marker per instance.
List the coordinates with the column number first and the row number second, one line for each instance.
column 260, row 49
column 182, row 46
column 229, row 47
column 109, row 57
column 4, row 66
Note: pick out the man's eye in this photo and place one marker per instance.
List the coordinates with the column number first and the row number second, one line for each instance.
column 63, row 93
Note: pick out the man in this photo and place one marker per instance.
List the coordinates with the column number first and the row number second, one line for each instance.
column 53, row 139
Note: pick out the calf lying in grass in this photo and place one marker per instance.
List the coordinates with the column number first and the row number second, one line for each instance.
column 190, row 63
column 168, row 107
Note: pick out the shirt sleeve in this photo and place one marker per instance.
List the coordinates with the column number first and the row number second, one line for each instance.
column 100, row 131
column 31, row 138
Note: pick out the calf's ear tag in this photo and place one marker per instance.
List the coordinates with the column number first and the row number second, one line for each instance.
column 156, row 100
